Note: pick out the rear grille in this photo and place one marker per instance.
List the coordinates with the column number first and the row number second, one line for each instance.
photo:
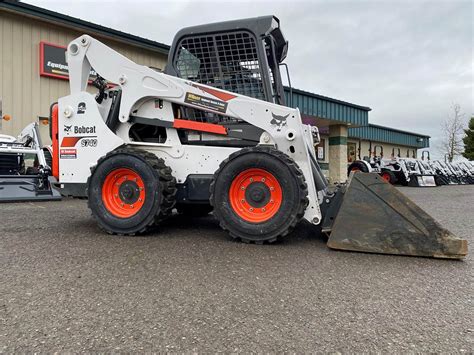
column 10, row 163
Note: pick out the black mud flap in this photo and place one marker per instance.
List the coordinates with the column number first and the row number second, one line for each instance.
column 375, row 217
column 15, row 188
column 422, row 181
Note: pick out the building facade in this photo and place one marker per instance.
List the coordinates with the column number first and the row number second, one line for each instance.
column 33, row 74
column 28, row 34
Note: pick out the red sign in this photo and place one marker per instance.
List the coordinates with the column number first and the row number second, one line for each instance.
column 53, row 62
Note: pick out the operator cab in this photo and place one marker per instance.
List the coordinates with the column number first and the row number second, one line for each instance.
column 241, row 56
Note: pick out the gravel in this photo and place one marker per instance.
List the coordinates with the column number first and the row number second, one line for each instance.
column 66, row 286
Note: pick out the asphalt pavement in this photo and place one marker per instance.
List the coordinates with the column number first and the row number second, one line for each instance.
column 67, row 286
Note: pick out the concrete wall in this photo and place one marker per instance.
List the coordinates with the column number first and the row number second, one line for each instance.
column 25, row 94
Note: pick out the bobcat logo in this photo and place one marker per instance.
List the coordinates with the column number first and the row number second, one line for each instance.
column 67, row 128
column 279, row 121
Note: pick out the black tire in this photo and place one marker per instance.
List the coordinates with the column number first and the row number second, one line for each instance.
column 390, row 176
column 48, row 157
column 292, row 204
column 194, row 210
column 402, row 180
column 159, row 186
column 357, row 166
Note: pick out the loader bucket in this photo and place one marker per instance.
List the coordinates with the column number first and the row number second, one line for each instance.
column 375, row 217
column 422, row 181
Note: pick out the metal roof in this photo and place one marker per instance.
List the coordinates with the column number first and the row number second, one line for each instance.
column 389, row 135
column 327, row 107
column 58, row 18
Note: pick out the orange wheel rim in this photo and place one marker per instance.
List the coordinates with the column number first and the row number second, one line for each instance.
column 355, row 169
column 255, row 195
column 123, row 193
column 386, row 177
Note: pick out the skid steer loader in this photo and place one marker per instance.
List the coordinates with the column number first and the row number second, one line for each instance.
column 388, row 169
column 213, row 131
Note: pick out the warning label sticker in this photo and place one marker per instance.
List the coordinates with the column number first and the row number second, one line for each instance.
column 68, row 153
column 207, row 103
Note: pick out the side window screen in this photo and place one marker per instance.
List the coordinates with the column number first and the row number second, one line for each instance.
column 187, row 64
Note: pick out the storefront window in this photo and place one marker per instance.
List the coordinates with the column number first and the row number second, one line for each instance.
column 320, row 150
column 351, row 152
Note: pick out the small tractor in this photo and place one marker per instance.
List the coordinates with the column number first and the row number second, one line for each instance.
column 449, row 171
column 461, row 173
column 370, row 164
column 404, row 171
column 417, row 173
column 468, row 171
column 442, row 173
column 388, row 169
column 25, row 167
column 213, row 133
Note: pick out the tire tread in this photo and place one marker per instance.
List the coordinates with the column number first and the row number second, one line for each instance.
column 167, row 184
column 295, row 170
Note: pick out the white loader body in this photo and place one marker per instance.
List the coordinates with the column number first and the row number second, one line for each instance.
column 84, row 137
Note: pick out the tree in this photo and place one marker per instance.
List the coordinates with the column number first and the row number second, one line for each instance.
column 452, row 144
column 469, row 141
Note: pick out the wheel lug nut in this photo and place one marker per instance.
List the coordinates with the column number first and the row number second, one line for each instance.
column 251, row 209
column 131, row 206
column 263, row 179
column 116, row 195
column 243, row 201
column 139, row 200
column 272, row 188
column 271, row 201
column 242, row 188
column 263, row 209
column 251, row 179
column 122, row 204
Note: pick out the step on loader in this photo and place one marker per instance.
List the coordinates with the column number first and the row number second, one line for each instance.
column 213, row 132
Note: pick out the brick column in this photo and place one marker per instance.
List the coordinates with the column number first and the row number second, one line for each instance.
column 337, row 153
